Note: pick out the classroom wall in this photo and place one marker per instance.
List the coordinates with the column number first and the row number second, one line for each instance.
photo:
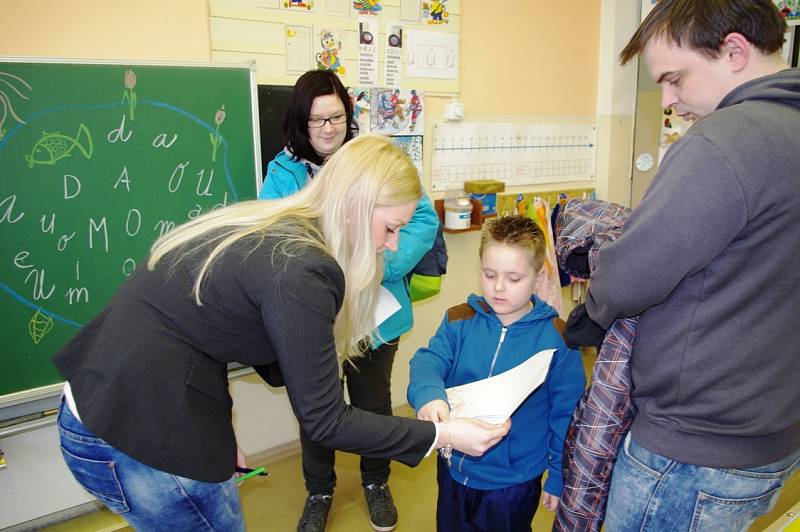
column 536, row 57
column 616, row 102
column 535, row 60
column 176, row 30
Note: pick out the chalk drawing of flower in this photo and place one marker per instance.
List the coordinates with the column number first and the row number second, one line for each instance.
column 215, row 137
column 129, row 94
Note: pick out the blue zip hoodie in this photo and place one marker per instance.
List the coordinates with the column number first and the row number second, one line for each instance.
column 285, row 176
column 471, row 344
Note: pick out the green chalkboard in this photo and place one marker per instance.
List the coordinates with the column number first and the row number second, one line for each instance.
column 96, row 162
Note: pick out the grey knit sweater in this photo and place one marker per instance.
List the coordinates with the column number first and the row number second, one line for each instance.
column 710, row 261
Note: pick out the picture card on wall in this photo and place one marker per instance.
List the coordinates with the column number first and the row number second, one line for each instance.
column 367, row 51
column 328, row 49
column 298, row 5
column 396, row 111
column 431, row 54
column 360, row 97
column 298, row 49
column 393, row 51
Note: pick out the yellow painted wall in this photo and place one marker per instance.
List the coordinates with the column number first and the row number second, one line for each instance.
column 148, row 30
column 536, row 57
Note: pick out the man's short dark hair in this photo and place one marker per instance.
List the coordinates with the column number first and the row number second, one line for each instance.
column 295, row 124
column 703, row 24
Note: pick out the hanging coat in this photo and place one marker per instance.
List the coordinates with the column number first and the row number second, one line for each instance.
column 605, row 412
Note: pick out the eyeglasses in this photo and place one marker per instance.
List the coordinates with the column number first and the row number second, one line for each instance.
column 334, row 120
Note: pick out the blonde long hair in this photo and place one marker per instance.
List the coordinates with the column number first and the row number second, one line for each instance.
column 333, row 214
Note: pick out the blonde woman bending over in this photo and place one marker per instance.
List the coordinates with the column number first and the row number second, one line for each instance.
column 285, row 286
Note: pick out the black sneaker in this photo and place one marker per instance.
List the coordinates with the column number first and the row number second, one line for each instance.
column 382, row 512
column 315, row 514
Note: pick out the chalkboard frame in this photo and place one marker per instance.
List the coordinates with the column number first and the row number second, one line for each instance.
column 30, row 403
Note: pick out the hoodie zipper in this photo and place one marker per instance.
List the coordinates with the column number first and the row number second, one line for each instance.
column 497, row 351
column 491, row 369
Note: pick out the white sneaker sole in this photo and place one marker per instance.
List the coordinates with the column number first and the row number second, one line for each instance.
column 382, row 528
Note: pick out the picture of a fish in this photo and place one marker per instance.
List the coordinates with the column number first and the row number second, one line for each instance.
column 54, row 146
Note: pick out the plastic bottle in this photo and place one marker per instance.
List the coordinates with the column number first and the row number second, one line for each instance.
column 457, row 212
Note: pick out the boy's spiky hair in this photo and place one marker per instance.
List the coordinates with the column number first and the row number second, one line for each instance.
column 517, row 231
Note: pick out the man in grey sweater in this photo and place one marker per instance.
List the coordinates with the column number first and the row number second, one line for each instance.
column 710, row 262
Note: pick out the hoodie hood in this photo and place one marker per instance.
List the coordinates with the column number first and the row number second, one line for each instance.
column 781, row 87
column 540, row 310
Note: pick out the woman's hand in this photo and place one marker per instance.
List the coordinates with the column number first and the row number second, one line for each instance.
column 472, row 436
column 436, row 410
column 241, row 461
column 550, row 501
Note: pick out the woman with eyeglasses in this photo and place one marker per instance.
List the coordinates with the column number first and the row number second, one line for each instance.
column 318, row 122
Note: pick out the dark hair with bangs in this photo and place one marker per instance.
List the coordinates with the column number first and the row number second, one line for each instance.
column 703, row 24
column 295, row 123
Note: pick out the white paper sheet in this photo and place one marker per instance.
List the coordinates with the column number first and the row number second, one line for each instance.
column 387, row 305
column 409, row 10
column 298, row 48
column 493, row 400
column 430, row 54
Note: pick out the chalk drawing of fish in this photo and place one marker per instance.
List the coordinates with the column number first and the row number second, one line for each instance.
column 54, row 146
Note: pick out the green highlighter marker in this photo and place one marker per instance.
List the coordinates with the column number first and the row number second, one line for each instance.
column 250, row 473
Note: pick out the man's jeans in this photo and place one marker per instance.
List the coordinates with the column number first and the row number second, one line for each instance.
column 147, row 498
column 652, row 493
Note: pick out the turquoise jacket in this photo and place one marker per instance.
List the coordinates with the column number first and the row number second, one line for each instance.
column 286, row 176
column 472, row 344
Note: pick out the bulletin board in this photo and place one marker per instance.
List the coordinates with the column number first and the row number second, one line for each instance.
column 390, row 54
column 272, row 33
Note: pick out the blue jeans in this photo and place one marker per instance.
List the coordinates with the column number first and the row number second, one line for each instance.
column 147, row 498
column 650, row 492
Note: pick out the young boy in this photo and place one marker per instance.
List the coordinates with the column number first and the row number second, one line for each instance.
column 484, row 337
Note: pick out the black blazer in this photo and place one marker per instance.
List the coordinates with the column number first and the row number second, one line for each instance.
column 149, row 372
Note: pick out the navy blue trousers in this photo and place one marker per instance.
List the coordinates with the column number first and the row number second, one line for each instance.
column 464, row 509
